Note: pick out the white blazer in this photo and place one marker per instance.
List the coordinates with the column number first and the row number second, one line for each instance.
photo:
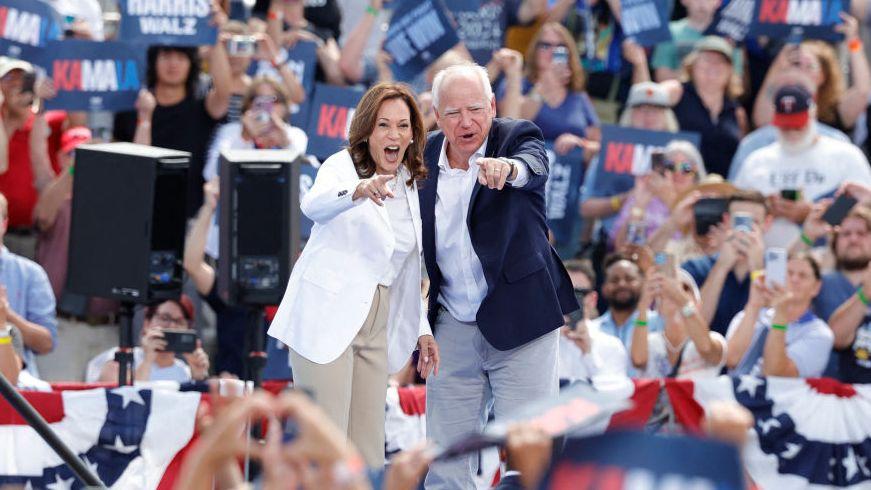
column 333, row 282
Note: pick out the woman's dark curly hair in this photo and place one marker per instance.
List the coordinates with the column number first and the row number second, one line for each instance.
column 363, row 124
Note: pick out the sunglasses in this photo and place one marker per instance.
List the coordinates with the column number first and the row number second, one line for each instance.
column 581, row 293
column 685, row 168
column 549, row 46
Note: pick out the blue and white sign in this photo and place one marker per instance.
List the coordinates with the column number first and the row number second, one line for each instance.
column 733, row 20
column 93, row 76
column 646, row 21
column 562, row 191
column 330, row 114
column 173, row 23
column 26, row 26
column 420, row 31
column 806, row 19
column 626, row 153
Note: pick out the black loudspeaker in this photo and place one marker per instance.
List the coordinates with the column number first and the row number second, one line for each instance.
column 259, row 224
column 128, row 222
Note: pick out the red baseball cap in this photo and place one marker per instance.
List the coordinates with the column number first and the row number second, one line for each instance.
column 792, row 105
column 73, row 137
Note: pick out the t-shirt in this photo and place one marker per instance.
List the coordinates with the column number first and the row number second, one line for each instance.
column 607, row 357
column 574, row 115
column 186, row 126
column 671, row 54
column 720, row 137
column 733, row 297
column 178, row 371
column 854, row 363
column 808, row 342
column 482, row 25
column 816, row 171
column 835, row 290
column 692, row 364
column 17, row 182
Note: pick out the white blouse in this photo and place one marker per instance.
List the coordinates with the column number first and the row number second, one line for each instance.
column 403, row 227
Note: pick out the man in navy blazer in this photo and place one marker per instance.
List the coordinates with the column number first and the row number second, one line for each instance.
column 498, row 291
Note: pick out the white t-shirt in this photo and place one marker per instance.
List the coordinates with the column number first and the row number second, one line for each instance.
column 692, row 365
column 607, row 358
column 178, row 371
column 817, row 171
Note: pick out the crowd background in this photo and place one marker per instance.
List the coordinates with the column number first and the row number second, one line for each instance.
column 784, row 129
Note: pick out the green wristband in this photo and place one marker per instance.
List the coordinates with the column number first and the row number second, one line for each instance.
column 640, row 323
column 861, row 294
column 778, row 326
column 372, row 10
column 72, row 169
column 806, row 239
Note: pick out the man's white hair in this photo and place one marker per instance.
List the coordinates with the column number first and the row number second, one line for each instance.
column 463, row 69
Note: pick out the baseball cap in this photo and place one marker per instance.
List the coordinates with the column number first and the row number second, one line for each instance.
column 792, row 104
column 716, row 44
column 74, row 137
column 8, row 64
column 648, row 93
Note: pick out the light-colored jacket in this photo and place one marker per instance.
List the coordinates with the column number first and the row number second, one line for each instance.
column 332, row 285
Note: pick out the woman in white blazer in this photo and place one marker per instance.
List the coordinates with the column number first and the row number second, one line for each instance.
column 353, row 311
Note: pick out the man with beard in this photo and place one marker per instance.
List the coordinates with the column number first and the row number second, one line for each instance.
column 622, row 290
column 851, row 246
column 800, row 160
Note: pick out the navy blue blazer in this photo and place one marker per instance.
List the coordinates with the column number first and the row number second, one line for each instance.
column 528, row 289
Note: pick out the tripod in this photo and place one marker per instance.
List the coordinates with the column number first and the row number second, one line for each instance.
column 124, row 354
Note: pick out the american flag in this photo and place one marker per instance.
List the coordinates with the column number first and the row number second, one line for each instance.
column 131, row 437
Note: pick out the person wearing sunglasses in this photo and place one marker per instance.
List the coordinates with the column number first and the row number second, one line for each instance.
column 651, row 200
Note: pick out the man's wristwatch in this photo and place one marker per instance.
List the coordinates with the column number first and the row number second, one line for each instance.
column 688, row 310
column 513, row 170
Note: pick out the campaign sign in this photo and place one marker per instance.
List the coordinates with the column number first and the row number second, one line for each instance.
column 26, row 26
column 641, row 461
column 809, row 19
column 330, row 115
column 94, row 76
column 646, row 21
column 175, row 23
column 562, row 191
column 733, row 20
column 419, row 32
column 626, row 153
column 302, row 60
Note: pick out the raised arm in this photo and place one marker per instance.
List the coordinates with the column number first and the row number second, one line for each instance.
column 202, row 274
column 351, row 57
column 218, row 98
column 855, row 99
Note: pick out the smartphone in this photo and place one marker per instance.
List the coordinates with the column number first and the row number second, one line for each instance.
column 709, row 212
column 742, row 222
column 775, row 266
column 262, row 106
column 241, row 46
column 578, row 315
column 664, row 262
column 635, row 233
column 180, row 340
column 657, row 161
column 560, row 55
column 791, row 194
column 839, row 209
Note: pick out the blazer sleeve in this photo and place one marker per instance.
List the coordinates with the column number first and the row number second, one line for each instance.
column 423, row 328
column 332, row 192
column 526, row 144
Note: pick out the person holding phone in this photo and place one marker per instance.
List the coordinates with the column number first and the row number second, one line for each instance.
column 777, row 333
column 263, row 125
column 151, row 360
column 585, row 352
column 725, row 274
column 802, row 159
column 554, row 96
column 673, row 172
column 687, row 348
column 353, row 312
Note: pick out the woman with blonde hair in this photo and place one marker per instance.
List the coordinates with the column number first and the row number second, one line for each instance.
column 352, row 311
column 838, row 105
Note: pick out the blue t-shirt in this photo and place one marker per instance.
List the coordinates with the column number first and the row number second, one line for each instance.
column 835, row 290
column 854, row 362
column 574, row 115
column 733, row 297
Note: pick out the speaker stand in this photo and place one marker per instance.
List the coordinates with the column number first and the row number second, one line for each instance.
column 256, row 342
column 124, row 354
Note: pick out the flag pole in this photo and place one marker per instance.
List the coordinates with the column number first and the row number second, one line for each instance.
column 35, row 420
